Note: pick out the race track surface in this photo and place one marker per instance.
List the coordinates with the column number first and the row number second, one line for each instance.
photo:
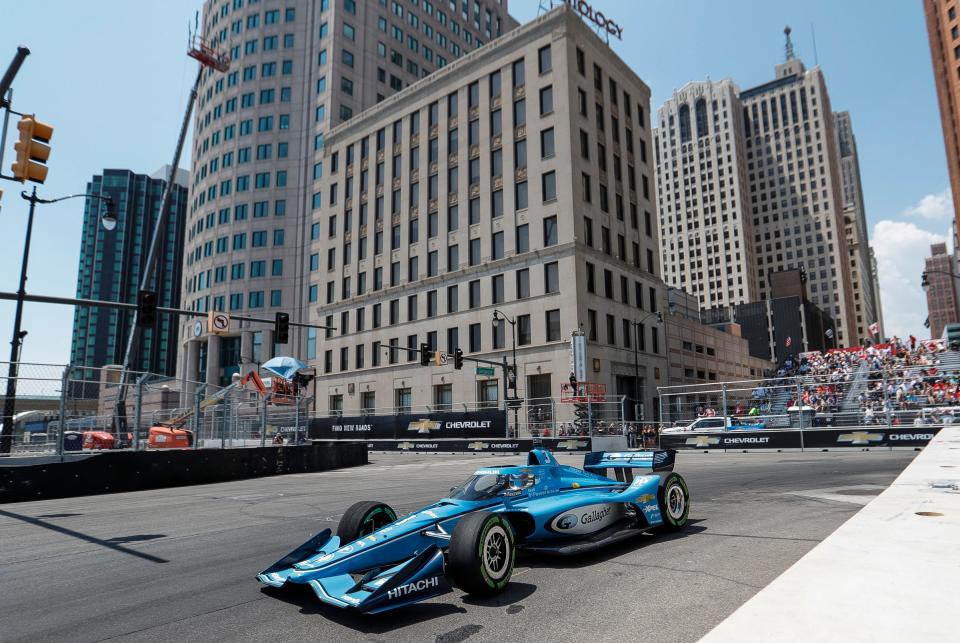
column 179, row 564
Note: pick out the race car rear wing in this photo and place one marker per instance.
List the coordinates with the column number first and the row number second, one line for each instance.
column 624, row 462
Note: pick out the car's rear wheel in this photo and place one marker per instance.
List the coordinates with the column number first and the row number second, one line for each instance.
column 481, row 553
column 363, row 518
column 674, row 501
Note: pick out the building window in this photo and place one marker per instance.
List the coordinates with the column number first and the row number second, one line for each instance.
column 544, row 61
column 551, row 277
column 546, row 143
column 443, row 397
column 552, row 318
column 368, row 401
column 475, row 338
column 487, row 394
column 546, row 101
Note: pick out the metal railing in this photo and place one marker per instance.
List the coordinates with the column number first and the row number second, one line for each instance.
column 63, row 408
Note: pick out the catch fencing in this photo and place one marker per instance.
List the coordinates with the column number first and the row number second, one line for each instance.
column 68, row 408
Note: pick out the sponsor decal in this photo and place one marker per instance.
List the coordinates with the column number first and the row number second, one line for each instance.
column 351, row 428
column 423, row 425
column 588, row 519
column 486, row 472
column 346, row 550
column 477, row 446
column 860, row 437
column 650, row 509
column 747, row 440
column 404, row 446
column 350, row 599
column 409, row 588
column 702, row 441
column 470, row 424
column 910, row 436
column 505, row 446
column 647, row 497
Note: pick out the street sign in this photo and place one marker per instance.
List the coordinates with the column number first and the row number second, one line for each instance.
column 218, row 323
column 485, row 370
column 440, row 358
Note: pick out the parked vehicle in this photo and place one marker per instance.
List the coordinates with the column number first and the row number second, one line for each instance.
column 718, row 423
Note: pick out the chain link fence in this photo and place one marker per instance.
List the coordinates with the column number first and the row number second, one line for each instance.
column 62, row 408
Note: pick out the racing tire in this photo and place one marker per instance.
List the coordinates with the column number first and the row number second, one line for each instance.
column 481, row 553
column 363, row 518
column 673, row 499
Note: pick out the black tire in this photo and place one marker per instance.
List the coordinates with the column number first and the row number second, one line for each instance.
column 364, row 518
column 674, row 501
column 481, row 553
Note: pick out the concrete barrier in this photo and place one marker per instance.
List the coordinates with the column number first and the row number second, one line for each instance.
column 112, row 472
column 890, row 573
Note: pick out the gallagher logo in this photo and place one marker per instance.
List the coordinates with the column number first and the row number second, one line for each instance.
column 567, row 522
column 423, row 426
column 860, row 437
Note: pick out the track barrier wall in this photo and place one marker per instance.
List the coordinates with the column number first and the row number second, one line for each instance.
column 113, row 472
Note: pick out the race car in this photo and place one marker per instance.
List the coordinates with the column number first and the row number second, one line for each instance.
column 469, row 539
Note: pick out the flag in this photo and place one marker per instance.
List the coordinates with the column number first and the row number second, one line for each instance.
column 926, row 323
column 788, row 342
column 874, row 328
column 829, row 333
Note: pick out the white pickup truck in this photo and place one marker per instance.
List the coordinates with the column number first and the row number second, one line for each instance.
column 718, row 423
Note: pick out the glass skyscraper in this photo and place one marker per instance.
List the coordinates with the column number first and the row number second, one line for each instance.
column 111, row 266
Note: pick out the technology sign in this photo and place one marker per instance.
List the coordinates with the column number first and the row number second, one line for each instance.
column 596, row 17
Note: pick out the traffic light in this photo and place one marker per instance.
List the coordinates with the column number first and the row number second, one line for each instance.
column 425, row 354
column 32, row 150
column 458, row 359
column 146, row 308
column 281, row 328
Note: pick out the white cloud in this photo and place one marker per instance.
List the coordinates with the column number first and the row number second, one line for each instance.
column 901, row 248
column 932, row 206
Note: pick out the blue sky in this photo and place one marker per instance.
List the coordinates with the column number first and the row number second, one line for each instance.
column 112, row 77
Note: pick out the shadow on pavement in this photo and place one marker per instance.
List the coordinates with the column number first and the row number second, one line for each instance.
column 547, row 561
column 109, row 544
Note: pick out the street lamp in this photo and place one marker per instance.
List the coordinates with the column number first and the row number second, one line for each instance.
column 109, row 221
column 636, row 361
column 499, row 316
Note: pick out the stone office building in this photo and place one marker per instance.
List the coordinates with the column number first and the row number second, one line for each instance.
column 517, row 181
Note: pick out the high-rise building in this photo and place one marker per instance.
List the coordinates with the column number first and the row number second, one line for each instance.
column 517, row 182
column 866, row 296
column 705, row 217
column 296, row 71
column 785, row 170
column 943, row 31
column 112, row 263
column 941, row 297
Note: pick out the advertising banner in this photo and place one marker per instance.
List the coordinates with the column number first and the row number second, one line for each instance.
column 486, row 423
column 732, row 440
column 811, row 439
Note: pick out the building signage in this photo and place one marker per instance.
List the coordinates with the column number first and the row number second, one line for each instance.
column 596, row 17
column 578, row 355
column 482, row 423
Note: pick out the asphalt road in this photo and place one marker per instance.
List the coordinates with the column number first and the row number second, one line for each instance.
column 179, row 564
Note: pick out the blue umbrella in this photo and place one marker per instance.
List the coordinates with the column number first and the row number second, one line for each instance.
column 284, row 366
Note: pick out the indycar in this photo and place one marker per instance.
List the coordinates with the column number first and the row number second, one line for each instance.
column 377, row 562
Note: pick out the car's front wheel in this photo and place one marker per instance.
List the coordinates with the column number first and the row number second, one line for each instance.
column 364, row 518
column 481, row 553
column 674, row 500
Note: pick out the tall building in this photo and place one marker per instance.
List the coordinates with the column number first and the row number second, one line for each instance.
column 516, row 181
column 780, row 185
column 943, row 31
column 112, row 263
column 702, row 191
column 866, row 296
column 297, row 70
column 941, row 297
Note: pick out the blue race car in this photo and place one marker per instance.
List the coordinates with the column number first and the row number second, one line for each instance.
column 470, row 538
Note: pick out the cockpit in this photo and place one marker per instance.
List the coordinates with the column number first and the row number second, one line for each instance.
column 486, row 485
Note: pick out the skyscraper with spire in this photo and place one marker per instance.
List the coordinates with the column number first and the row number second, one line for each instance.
column 749, row 184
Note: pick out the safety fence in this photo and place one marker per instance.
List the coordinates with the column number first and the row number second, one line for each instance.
column 862, row 396
column 72, row 408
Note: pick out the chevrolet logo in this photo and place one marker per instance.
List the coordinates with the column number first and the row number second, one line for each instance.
column 423, row 426
column 571, row 445
column 702, row 441
column 860, row 437
column 405, row 445
column 647, row 497
column 477, row 446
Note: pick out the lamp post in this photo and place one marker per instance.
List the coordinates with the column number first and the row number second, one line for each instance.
column 636, row 357
column 109, row 222
column 499, row 316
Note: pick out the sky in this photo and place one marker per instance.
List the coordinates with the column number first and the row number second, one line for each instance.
column 112, row 77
